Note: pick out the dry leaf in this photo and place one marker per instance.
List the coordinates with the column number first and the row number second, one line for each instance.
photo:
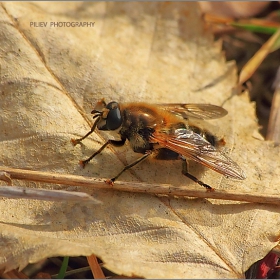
column 239, row 9
column 158, row 52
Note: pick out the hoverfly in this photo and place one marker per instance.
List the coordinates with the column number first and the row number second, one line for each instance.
column 166, row 131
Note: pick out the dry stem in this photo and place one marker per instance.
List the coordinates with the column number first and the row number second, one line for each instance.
column 162, row 189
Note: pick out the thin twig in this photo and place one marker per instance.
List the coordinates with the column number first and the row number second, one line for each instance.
column 95, row 267
column 273, row 130
column 43, row 194
column 163, row 189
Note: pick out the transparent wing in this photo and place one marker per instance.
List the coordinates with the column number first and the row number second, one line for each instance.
column 199, row 111
column 193, row 146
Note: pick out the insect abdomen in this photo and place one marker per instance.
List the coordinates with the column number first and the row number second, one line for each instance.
column 212, row 139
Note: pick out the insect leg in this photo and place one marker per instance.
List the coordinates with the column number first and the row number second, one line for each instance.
column 111, row 181
column 113, row 142
column 186, row 173
column 76, row 141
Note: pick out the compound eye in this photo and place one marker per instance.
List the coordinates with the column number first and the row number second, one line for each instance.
column 114, row 118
